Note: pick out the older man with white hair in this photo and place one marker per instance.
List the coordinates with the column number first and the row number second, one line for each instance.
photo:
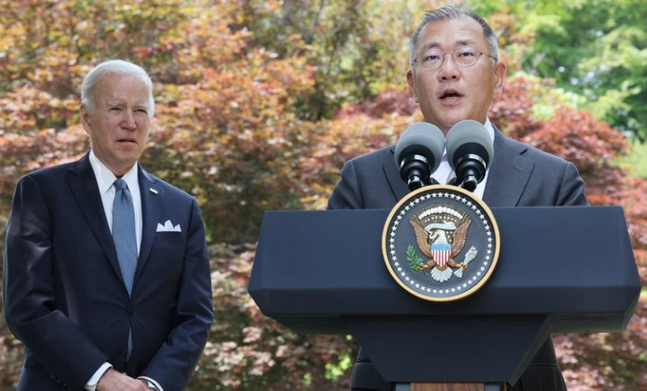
column 106, row 273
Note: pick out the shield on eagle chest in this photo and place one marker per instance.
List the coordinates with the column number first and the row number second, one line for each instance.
column 441, row 253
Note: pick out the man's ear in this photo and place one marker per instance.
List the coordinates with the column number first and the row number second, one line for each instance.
column 412, row 87
column 85, row 119
column 500, row 71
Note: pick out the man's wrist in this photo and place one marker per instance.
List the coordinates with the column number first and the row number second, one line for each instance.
column 91, row 385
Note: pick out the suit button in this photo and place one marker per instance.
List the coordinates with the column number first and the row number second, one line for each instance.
column 122, row 357
column 131, row 311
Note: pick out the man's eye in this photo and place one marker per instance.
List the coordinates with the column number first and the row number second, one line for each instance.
column 115, row 109
column 466, row 53
column 431, row 57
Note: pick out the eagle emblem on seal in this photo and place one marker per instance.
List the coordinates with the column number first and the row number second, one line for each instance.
column 441, row 234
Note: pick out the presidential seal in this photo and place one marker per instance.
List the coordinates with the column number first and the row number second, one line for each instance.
column 440, row 243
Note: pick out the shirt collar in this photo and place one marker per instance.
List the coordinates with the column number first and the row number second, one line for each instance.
column 105, row 177
column 490, row 129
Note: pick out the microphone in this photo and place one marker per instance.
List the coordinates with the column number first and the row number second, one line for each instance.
column 469, row 152
column 418, row 153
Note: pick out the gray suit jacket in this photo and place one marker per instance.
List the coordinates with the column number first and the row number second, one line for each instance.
column 520, row 175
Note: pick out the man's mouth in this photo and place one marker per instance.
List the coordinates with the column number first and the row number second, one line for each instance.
column 127, row 140
column 449, row 94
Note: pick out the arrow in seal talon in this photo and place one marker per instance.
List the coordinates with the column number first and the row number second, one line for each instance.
column 471, row 254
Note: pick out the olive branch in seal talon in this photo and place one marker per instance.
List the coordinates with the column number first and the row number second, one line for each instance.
column 414, row 260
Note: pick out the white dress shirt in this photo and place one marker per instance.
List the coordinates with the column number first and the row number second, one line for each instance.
column 105, row 181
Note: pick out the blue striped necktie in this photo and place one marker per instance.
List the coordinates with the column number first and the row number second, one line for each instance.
column 123, row 234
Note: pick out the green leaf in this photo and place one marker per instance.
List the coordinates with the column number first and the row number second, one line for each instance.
column 413, row 258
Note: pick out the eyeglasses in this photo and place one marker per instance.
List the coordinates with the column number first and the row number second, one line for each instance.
column 463, row 57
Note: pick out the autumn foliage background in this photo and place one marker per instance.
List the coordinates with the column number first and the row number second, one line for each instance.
column 259, row 103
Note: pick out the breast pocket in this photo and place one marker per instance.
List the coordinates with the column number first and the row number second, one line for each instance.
column 168, row 252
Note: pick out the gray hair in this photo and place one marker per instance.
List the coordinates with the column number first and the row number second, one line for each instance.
column 453, row 13
column 91, row 80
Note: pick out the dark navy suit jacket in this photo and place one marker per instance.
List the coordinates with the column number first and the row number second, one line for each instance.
column 64, row 295
column 519, row 176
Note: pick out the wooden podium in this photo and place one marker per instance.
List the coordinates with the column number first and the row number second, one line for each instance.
column 561, row 269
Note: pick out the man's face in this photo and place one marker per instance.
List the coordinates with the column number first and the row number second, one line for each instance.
column 452, row 93
column 119, row 125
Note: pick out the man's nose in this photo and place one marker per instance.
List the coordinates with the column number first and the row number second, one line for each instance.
column 448, row 69
column 128, row 120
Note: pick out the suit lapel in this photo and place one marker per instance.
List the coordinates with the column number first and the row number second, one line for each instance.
column 152, row 197
column 509, row 173
column 86, row 192
column 398, row 186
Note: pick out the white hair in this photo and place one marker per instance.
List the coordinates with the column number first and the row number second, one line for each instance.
column 91, row 80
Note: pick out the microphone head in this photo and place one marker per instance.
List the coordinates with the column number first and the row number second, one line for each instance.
column 468, row 137
column 418, row 153
column 469, row 152
column 424, row 139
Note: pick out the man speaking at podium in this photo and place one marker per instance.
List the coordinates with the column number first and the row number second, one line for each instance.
column 455, row 74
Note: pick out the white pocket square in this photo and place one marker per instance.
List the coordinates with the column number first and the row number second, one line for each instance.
column 168, row 227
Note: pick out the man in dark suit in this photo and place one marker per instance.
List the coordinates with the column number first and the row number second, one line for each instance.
column 106, row 273
column 455, row 73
